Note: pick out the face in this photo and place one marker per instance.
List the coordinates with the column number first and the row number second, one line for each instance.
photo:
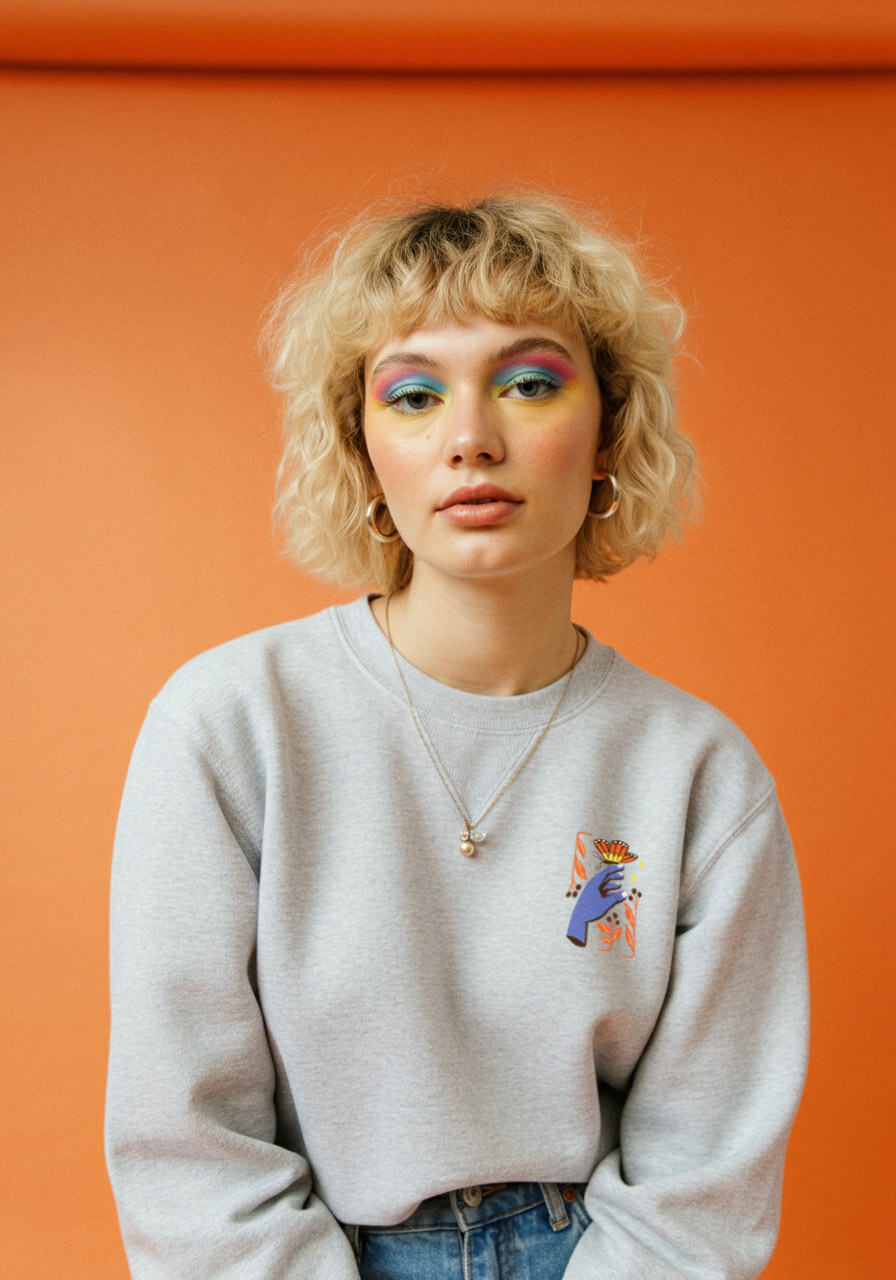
column 484, row 439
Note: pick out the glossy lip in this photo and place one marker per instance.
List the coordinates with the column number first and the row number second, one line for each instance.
column 477, row 494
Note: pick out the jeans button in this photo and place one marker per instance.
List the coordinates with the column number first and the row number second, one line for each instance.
column 472, row 1196
column 569, row 1194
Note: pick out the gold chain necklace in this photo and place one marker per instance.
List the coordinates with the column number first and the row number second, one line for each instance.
column 469, row 836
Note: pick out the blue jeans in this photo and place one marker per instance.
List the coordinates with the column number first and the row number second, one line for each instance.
column 513, row 1231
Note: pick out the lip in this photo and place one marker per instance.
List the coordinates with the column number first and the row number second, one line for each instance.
column 477, row 494
column 478, row 506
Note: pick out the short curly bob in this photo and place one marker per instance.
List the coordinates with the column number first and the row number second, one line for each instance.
column 512, row 260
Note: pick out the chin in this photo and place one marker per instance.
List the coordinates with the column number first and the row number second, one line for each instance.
column 484, row 565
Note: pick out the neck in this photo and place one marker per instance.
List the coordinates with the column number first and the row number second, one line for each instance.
column 497, row 636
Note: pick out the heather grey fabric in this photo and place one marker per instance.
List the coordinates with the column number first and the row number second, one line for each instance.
column 321, row 1008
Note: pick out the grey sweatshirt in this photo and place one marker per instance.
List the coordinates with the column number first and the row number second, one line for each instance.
column 321, row 1010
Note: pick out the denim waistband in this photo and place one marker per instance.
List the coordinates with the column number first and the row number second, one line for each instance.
column 474, row 1206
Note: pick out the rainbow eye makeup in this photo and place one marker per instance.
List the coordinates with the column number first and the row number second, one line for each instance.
column 410, row 391
column 391, row 390
column 546, row 373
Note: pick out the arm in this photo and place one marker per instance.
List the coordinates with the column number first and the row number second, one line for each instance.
column 202, row 1188
column 694, row 1187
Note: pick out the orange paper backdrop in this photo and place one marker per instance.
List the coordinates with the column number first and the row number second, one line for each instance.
column 428, row 34
column 146, row 222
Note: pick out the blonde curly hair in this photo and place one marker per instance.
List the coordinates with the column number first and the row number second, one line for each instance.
column 511, row 260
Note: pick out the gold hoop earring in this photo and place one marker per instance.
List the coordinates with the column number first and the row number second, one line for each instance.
column 614, row 505
column 379, row 500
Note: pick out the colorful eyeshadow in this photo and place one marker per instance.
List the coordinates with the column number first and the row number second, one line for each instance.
column 392, row 386
column 555, row 368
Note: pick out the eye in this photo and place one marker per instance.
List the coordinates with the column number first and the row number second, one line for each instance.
column 531, row 384
column 411, row 401
column 411, row 398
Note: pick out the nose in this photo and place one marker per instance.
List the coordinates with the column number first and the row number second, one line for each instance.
column 472, row 433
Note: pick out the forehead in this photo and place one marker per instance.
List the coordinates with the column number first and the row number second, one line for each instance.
column 477, row 340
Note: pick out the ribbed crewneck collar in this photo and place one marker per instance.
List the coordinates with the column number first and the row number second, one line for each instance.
column 510, row 714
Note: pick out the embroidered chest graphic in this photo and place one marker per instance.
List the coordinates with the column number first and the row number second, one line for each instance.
column 608, row 898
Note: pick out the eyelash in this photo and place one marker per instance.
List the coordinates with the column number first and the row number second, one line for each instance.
column 400, row 393
column 394, row 399
column 534, row 375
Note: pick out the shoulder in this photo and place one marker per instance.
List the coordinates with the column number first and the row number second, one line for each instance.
column 685, row 737
column 244, row 682
column 650, row 699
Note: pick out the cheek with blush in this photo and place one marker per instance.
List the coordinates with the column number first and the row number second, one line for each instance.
column 565, row 459
column 398, row 471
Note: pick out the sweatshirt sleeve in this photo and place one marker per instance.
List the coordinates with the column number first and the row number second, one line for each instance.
column 202, row 1187
column 693, row 1188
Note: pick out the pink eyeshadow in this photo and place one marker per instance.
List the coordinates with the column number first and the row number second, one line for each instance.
column 542, row 360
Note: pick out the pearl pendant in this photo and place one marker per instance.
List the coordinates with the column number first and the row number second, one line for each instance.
column 469, row 840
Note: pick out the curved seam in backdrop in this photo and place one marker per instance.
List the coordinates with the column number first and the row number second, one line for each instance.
column 419, row 37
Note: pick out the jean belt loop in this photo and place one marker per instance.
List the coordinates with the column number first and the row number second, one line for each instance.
column 556, row 1207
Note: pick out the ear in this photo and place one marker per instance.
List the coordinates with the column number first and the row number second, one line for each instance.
column 600, row 464
column 602, row 456
column 373, row 482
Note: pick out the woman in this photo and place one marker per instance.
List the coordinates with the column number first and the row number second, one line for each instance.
column 446, row 943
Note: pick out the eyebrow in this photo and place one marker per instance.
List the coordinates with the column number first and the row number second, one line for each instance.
column 518, row 348
column 523, row 345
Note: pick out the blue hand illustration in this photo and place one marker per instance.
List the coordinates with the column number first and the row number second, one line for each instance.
column 600, row 894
